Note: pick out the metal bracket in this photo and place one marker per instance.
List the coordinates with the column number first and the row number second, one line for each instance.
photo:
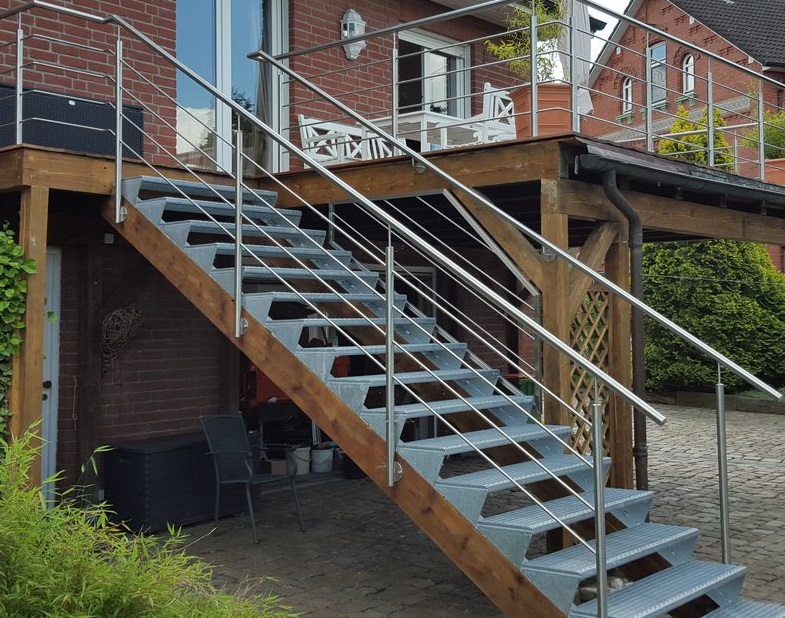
column 397, row 471
column 242, row 327
column 122, row 214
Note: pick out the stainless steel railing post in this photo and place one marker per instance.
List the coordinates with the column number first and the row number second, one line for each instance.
column 649, row 97
column 599, row 505
column 389, row 339
column 119, row 213
column 710, row 115
column 761, row 139
column 239, row 325
column 533, row 73
column 19, row 83
column 722, row 463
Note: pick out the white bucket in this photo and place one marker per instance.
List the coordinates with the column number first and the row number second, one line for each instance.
column 302, row 458
column 322, row 460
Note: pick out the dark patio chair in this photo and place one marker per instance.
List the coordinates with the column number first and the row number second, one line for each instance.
column 234, row 465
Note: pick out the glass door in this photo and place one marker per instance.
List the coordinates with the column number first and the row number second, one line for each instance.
column 214, row 38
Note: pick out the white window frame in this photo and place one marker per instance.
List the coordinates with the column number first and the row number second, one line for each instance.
column 626, row 96
column 460, row 52
column 688, row 74
column 657, row 64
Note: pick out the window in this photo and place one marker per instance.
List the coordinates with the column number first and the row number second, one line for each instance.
column 626, row 96
column 431, row 74
column 688, row 74
column 656, row 55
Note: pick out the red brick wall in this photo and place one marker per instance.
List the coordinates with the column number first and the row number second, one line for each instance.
column 729, row 82
column 91, row 71
column 167, row 375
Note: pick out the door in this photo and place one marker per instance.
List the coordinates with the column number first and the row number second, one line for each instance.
column 49, row 394
column 214, row 38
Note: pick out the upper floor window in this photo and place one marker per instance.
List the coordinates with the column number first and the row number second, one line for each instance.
column 688, row 74
column 626, row 96
column 657, row 72
column 431, row 74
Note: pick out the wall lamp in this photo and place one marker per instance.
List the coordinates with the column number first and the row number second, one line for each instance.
column 352, row 25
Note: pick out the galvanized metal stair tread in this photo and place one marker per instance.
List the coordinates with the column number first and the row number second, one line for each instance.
column 265, row 231
column 220, row 208
column 522, row 473
column 568, row 509
column 621, row 547
column 357, row 321
column 377, row 350
column 323, row 297
column 452, row 406
column 416, row 377
column 225, row 248
column 663, row 591
column 485, row 438
column 742, row 608
column 254, row 273
column 196, row 189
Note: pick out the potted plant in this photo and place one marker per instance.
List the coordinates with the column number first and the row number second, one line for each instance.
column 515, row 47
column 773, row 144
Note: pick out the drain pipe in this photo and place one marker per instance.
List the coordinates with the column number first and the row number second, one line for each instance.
column 640, row 448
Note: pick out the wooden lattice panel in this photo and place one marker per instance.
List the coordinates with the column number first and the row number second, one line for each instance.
column 590, row 337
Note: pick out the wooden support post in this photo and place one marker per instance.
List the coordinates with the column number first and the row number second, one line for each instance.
column 555, row 317
column 617, row 269
column 28, row 366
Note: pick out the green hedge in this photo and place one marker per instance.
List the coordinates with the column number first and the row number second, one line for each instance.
column 728, row 294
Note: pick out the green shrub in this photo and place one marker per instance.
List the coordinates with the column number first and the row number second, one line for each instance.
column 695, row 146
column 68, row 561
column 726, row 293
column 14, row 269
column 773, row 135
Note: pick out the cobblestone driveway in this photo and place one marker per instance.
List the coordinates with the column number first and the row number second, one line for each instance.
column 361, row 557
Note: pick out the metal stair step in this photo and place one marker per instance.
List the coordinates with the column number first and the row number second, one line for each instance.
column 419, row 377
column 559, row 574
column 568, row 509
column 154, row 209
column 133, row 186
column 265, row 273
column 380, row 350
column 493, row 480
column 267, row 251
column 179, row 231
column 748, row 609
column 668, row 589
column 414, row 330
column 452, row 406
column 326, row 297
column 485, row 438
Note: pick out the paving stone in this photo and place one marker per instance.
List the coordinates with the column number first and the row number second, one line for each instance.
column 360, row 556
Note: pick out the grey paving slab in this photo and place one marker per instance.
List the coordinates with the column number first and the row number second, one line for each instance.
column 360, row 556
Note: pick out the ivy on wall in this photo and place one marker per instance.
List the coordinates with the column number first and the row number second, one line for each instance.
column 14, row 269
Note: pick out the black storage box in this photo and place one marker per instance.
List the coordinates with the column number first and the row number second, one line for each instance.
column 165, row 480
column 71, row 123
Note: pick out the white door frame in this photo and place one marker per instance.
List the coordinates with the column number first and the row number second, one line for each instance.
column 50, row 387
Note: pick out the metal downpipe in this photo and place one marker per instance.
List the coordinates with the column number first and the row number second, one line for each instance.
column 640, row 448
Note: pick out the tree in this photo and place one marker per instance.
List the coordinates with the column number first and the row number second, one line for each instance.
column 726, row 293
column 690, row 140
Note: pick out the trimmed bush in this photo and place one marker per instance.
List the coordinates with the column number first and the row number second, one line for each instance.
column 695, row 145
column 68, row 561
column 727, row 293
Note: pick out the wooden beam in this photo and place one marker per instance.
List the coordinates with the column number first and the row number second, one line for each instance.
column 555, row 315
column 476, row 167
column 592, row 254
column 587, row 201
column 510, row 239
column 617, row 269
column 28, row 365
column 499, row 579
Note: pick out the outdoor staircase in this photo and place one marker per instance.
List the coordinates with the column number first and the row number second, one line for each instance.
column 185, row 230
